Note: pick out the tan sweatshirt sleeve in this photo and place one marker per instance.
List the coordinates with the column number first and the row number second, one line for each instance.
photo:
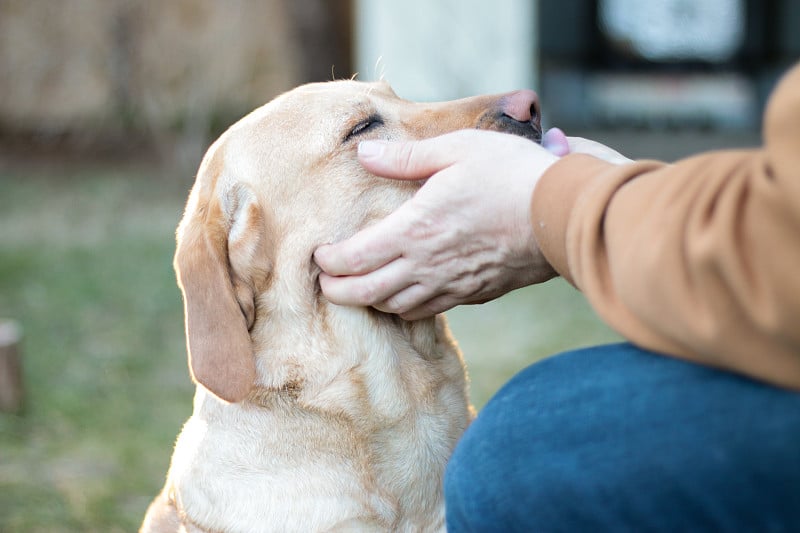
column 699, row 259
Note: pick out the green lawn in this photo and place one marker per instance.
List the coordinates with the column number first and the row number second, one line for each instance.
column 85, row 268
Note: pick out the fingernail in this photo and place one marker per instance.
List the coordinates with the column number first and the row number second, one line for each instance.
column 370, row 149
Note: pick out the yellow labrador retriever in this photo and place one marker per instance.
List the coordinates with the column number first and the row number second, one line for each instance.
column 310, row 416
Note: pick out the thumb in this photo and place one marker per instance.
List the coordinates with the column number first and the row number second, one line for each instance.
column 411, row 160
column 555, row 141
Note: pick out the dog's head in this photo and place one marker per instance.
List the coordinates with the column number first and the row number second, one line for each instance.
column 281, row 182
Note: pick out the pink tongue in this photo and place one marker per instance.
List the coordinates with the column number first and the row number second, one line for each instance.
column 556, row 142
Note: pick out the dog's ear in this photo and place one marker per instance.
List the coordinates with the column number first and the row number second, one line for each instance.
column 222, row 262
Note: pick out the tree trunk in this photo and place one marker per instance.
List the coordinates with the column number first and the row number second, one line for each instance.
column 11, row 388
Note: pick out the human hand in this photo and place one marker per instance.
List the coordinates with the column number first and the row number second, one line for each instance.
column 465, row 237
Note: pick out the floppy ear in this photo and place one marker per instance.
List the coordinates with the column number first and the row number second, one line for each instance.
column 222, row 262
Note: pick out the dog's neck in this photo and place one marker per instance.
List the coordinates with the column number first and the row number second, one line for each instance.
column 334, row 355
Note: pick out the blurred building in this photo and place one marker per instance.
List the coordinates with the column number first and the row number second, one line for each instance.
column 446, row 49
column 664, row 63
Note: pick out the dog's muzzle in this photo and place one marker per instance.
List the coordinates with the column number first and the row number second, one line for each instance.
column 517, row 113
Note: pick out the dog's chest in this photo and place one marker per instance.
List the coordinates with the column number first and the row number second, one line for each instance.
column 251, row 473
column 238, row 468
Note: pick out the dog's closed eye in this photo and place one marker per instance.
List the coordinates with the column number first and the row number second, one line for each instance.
column 364, row 126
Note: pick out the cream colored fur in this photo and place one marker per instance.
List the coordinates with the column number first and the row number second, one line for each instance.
column 307, row 416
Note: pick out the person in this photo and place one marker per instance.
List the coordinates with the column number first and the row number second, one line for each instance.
column 691, row 425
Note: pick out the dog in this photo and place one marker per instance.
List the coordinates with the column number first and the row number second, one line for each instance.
column 310, row 416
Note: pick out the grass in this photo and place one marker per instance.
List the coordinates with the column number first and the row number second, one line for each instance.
column 85, row 268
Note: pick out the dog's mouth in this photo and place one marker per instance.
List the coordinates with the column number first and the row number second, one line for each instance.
column 530, row 129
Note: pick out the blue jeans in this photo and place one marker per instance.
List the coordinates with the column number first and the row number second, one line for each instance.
column 615, row 438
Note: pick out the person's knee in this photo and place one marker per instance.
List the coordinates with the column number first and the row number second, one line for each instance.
column 616, row 438
column 494, row 483
column 465, row 487
column 483, row 480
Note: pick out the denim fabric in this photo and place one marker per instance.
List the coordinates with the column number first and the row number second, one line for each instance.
column 614, row 438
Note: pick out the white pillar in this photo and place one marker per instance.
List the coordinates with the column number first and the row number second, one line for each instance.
column 431, row 50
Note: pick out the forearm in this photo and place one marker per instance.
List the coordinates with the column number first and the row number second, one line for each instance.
column 687, row 259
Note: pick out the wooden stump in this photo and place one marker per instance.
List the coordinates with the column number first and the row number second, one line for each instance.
column 11, row 388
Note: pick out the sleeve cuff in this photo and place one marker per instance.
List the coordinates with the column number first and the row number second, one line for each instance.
column 554, row 200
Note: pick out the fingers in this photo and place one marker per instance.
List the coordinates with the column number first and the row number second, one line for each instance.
column 369, row 289
column 381, row 243
column 367, row 250
column 432, row 307
column 412, row 160
column 405, row 300
column 555, row 141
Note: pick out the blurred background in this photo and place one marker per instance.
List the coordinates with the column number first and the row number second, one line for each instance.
column 106, row 107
